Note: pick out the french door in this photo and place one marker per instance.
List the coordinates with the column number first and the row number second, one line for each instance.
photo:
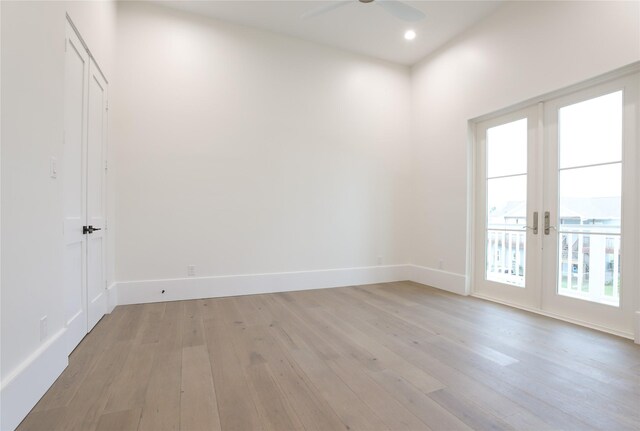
column 508, row 196
column 556, row 213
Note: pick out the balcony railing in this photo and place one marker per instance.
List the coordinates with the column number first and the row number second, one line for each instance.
column 588, row 261
column 506, row 256
column 589, row 264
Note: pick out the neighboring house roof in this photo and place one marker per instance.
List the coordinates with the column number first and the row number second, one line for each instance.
column 602, row 208
column 605, row 208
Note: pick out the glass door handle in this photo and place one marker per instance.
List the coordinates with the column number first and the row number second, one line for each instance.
column 547, row 225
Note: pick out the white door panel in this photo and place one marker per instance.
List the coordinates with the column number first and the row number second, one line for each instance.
column 95, row 281
column 76, row 73
column 97, row 128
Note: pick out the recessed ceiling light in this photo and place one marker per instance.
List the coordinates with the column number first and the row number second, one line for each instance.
column 410, row 35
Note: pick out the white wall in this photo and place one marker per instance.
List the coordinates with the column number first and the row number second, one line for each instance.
column 32, row 74
column 240, row 151
column 523, row 50
column 243, row 152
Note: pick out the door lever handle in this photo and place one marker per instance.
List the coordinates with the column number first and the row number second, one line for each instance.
column 547, row 225
column 89, row 229
column 535, row 223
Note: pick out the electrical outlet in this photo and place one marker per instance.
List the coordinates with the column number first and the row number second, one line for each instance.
column 191, row 270
column 43, row 328
column 379, row 260
column 440, row 264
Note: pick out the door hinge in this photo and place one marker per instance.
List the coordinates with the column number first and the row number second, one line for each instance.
column 106, row 105
column 106, row 165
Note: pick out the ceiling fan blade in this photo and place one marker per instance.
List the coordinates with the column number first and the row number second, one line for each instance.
column 401, row 10
column 322, row 9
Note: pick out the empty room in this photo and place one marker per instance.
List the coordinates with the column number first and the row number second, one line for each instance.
column 319, row 215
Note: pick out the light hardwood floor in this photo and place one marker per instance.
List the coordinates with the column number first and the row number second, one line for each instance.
column 397, row 356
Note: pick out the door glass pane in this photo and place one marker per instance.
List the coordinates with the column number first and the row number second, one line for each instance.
column 590, row 267
column 507, row 149
column 506, row 216
column 590, row 199
column 590, row 132
column 506, row 256
column 506, row 235
column 507, row 202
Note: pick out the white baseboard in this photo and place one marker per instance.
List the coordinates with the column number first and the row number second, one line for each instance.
column 438, row 278
column 112, row 297
column 76, row 331
column 137, row 292
column 22, row 389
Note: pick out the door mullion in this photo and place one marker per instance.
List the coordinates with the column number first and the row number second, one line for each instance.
column 538, row 177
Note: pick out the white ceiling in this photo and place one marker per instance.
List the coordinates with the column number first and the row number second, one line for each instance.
column 364, row 28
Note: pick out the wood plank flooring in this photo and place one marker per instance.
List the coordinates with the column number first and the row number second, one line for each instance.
column 396, row 356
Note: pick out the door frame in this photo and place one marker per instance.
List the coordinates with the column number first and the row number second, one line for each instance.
column 472, row 213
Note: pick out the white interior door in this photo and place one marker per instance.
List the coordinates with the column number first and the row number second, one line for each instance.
column 96, row 152
column 564, row 171
column 74, row 188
